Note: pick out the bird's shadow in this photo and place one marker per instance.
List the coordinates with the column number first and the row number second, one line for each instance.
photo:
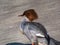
column 16, row 43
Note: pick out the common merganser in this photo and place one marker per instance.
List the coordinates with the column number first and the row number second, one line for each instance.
column 32, row 29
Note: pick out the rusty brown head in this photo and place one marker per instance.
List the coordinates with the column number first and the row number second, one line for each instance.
column 30, row 14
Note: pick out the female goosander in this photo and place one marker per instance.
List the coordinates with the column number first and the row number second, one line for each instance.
column 32, row 29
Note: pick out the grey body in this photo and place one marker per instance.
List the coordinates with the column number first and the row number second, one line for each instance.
column 30, row 29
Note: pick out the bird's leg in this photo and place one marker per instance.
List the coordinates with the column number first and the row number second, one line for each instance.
column 33, row 43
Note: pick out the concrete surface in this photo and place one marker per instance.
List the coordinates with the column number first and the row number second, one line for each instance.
column 47, row 10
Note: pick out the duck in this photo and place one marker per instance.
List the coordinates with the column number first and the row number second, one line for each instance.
column 32, row 29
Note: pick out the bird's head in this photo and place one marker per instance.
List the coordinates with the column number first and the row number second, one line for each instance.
column 30, row 14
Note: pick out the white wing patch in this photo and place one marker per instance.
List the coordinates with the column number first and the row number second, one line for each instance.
column 40, row 35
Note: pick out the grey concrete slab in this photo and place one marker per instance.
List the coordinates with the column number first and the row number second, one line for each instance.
column 47, row 10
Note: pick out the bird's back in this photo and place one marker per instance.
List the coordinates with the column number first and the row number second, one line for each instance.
column 37, row 27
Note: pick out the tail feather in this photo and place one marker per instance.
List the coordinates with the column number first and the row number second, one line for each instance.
column 56, row 42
